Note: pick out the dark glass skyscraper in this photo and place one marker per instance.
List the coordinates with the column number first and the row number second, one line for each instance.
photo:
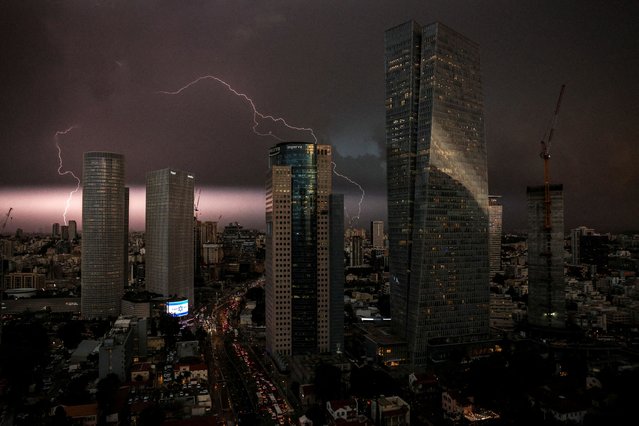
column 104, row 234
column 437, row 188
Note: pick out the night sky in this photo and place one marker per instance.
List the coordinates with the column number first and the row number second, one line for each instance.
column 98, row 65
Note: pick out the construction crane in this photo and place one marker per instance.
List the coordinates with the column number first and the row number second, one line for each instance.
column 6, row 219
column 545, row 155
column 197, row 203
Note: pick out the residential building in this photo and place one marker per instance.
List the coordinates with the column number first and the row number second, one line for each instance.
column 104, row 233
column 437, row 189
column 345, row 412
column 390, row 410
column 169, row 234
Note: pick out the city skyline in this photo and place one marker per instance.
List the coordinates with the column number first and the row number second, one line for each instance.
column 331, row 80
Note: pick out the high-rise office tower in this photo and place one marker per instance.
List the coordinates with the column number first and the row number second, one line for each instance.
column 64, row 232
column 495, row 211
column 336, row 271
column 357, row 256
column 575, row 242
column 73, row 230
column 55, row 230
column 377, row 234
column 104, row 230
column 437, row 189
column 300, row 282
column 169, row 233
column 546, row 286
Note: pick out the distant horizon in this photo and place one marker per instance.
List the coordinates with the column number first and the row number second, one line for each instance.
column 35, row 209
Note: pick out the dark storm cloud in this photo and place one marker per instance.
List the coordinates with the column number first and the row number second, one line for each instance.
column 319, row 64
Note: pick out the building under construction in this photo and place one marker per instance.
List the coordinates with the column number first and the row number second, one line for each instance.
column 546, row 285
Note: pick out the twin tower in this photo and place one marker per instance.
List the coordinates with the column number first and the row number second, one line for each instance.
column 105, row 234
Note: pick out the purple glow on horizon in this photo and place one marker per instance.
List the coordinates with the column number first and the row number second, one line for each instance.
column 36, row 209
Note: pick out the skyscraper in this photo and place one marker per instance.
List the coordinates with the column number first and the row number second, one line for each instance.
column 73, row 230
column 377, row 234
column 575, row 242
column 299, row 280
column 357, row 256
column 495, row 211
column 104, row 230
column 55, row 230
column 169, row 233
column 437, row 189
column 546, row 286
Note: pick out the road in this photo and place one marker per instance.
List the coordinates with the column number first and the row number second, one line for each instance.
column 241, row 389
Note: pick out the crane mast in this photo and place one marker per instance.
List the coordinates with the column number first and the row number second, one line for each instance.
column 545, row 155
column 4, row 223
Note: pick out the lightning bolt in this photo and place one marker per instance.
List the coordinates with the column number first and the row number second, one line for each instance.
column 256, row 113
column 361, row 199
column 66, row 172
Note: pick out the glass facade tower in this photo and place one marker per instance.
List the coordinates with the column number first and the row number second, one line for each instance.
column 437, row 188
column 169, row 235
column 104, row 234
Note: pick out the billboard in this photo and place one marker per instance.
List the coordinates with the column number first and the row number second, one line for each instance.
column 178, row 308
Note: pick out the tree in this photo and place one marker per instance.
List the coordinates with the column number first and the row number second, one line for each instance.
column 258, row 316
column 71, row 333
column 328, row 382
column 24, row 346
column 383, row 304
column 169, row 326
column 107, row 389
column 60, row 417
column 151, row 416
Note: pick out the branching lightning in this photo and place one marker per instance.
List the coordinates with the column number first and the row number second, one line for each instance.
column 361, row 199
column 258, row 115
column 66, row 172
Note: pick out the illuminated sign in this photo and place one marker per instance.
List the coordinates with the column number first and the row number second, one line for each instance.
column 177, row 309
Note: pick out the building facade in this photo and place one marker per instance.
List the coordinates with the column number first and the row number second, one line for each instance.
column 104, row 233
column 169, row 233
column 377, row 234
column 495, row 213
column 437, row 188
column 546, row 286
column 575, row 242
column 73, row 230
column 298, row 249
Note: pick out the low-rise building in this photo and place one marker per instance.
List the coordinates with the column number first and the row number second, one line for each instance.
column 345, row 412
column 390, row 410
